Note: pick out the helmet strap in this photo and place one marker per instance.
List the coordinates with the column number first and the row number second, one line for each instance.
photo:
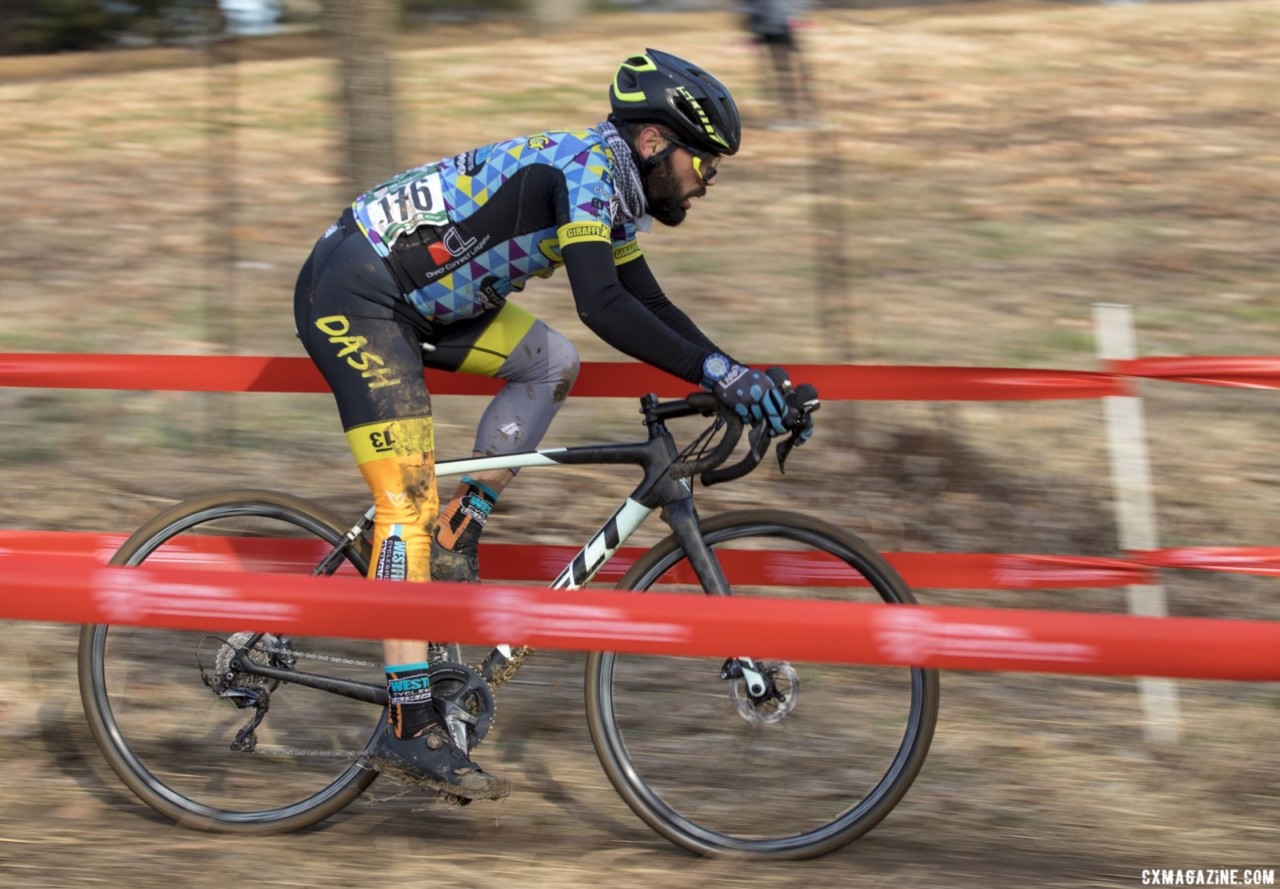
column 652, row 161
column 628, row 132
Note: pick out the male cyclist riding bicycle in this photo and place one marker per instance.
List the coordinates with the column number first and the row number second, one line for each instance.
column 417, row 273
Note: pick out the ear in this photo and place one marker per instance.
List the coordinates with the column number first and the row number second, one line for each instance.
column 649, row 141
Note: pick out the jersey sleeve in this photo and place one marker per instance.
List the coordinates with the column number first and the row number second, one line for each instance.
column 640, row 283
column 596, row 245
column 626, row 247
column 588, row 188
column 616, row 316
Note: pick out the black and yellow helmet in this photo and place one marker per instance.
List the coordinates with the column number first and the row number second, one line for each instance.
column 657, row 87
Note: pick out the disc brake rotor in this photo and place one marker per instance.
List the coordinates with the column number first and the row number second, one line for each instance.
column 780, row 697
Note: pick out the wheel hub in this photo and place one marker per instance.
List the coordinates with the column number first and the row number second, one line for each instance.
column 270, row 650
column 781, row 692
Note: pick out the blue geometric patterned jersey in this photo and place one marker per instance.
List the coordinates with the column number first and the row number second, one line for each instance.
column 466, row 231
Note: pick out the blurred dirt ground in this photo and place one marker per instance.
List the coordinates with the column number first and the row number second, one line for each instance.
column 996, row 169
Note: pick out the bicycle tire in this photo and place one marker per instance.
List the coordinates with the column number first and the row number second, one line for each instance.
column 752, row 793
column 166, row 734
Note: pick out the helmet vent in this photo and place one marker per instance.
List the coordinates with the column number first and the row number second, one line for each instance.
column 657, row 87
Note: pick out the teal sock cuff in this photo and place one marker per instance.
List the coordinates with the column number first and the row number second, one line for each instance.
column 490, row 494
column 406, row 669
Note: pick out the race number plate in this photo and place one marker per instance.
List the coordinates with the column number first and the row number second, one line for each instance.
column 412, row 199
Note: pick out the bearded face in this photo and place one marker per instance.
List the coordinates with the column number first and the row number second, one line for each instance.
column 664, row 194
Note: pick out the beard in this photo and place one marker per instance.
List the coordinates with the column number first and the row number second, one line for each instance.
column 663, row 196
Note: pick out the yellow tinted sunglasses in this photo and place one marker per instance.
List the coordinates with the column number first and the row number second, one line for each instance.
column 705, row 163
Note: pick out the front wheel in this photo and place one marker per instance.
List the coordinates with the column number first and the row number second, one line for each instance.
column 811, row 765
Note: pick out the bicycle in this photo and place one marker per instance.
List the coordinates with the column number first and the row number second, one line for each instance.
column 791, row 773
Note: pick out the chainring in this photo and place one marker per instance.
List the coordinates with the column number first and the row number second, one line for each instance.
column 465, row 698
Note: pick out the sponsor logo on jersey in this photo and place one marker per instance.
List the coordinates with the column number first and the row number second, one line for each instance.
column 573, row 232
column 453, row 251
column 493, row 291
column 470, row 162
column 452, row 245
column 550, row 249
column 626, row 252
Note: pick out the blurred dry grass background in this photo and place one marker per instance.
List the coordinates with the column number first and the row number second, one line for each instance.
column 999, row 170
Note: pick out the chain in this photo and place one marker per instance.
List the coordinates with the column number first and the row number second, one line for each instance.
column 500, row 675
column 314, row 656
column 349, row 755
column 503, row 676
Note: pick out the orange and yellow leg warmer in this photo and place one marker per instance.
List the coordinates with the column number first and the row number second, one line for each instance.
column 397, row 460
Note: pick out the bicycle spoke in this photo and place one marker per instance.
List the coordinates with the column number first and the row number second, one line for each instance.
column 789, row 774
column 163, row 703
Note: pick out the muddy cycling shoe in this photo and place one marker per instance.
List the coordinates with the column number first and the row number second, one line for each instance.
column 434, row 762
column 453, row 567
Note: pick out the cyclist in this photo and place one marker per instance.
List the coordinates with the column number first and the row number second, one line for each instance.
column 417, row 273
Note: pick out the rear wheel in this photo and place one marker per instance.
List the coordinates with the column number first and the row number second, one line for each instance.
column 816, row 761
column 172, row 714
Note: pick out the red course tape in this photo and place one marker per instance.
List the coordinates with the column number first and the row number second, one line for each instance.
column 78, row 591
column 228, row 373
column 527, row 562
column 40, row 585
column 1246, row 372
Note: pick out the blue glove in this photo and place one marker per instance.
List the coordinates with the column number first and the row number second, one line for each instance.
column 751, row 393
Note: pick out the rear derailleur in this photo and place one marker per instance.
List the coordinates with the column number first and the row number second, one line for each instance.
column 235, row 680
